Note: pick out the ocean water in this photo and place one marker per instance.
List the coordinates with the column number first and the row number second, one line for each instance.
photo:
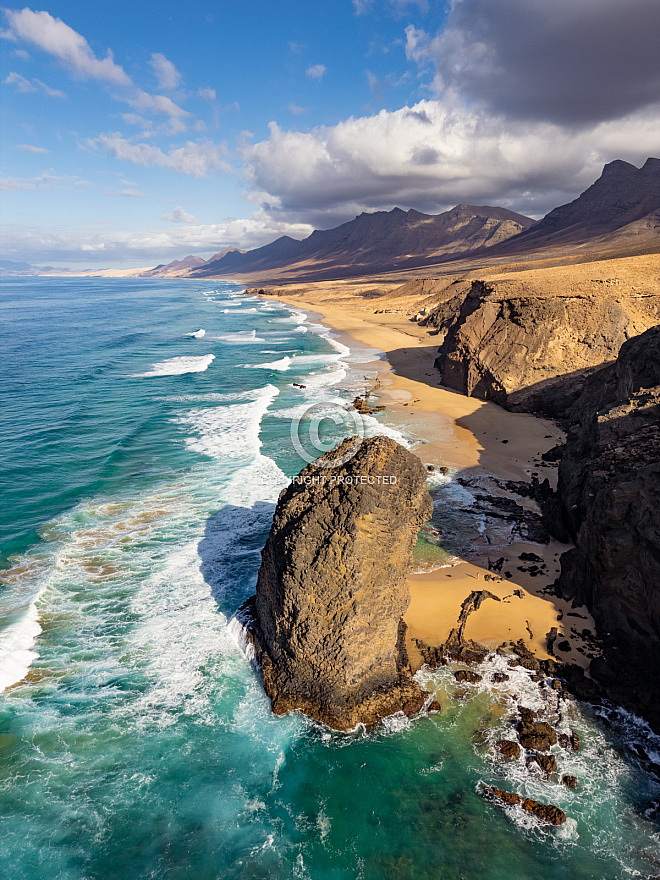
column 141, row 463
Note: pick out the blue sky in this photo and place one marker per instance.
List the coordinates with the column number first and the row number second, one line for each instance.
column 138, row 132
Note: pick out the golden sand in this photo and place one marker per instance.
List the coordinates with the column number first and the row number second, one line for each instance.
column 467, row 434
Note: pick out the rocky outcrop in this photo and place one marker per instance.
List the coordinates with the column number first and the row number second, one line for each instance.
column 532, row 349
column 331, row 592
column 609, row 489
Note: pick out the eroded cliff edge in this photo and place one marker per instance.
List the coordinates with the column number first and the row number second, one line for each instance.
column 609, row 493
column 326, row 620
column 529, row 346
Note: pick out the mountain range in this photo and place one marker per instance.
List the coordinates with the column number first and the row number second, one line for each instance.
column 378, row 241
column 618, row 215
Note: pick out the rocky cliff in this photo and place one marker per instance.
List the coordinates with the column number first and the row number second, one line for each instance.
column 609, row 488
column 531, row 348
column 327, row 617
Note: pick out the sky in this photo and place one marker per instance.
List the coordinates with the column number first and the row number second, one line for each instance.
column 138, row 132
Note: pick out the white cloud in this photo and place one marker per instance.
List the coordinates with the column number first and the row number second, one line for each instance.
column 46, row 180
column 145, row 247
column 196, row 159
column 129, row 192
column 206, row 94
column 316, row 71
column 26, row 85
column 362, row 6
column 178, row 215
column 69, row 47
column 28, row 148
column 166, row 73
column 432, row 156
column 200, row 125
column 296, row 110
column 143, row 102
column 22, row 54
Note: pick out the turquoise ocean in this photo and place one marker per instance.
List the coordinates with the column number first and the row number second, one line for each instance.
column 141, row 461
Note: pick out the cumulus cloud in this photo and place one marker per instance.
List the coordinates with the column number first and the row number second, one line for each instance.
column 195, row 159
column 143, row 102
column 52, row 35
column 166, row 73
column 560, row 61
column 33, row 85
column 178, row 215
column 316, row 71
column 432, row 156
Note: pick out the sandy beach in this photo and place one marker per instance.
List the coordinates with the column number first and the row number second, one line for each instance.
column 476, row 440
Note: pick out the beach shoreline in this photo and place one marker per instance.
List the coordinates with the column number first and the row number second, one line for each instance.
column 480, row 443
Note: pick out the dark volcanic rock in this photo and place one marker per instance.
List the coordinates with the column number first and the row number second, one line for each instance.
column 546, row 812
column 547, row 763
column 535, row 736
column 466, row 675
column 569, row 781
column 508, row 748
column 512, row 800
column 609, row 487
column 332, row 588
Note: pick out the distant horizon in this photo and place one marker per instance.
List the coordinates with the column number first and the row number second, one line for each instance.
column 134, row 145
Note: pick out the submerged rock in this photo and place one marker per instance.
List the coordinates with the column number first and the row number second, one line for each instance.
column 327, row 617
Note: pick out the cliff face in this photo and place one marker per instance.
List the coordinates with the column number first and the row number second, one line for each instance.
column 609, row 487
column 331, row 590
column 532, row 349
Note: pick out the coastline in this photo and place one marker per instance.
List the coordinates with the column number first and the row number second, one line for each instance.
column 480, row 443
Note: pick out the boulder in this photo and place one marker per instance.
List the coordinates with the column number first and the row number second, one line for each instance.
column 545, row 812
column 465, row 675
column 326, row 621
column 508, row 748
column 547, row 763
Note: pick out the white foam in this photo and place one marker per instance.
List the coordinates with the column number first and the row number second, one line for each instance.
column 178, row 366
column 229, row 433
column 281, row 365
column 293, row 318
column 322, row 380
column 16, row 647
column 240, row 337
column 198, row 334
column 241, row 311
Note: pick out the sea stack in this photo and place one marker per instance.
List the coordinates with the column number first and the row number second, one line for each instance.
column 331, row 593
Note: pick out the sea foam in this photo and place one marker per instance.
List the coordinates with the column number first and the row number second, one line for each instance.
column 178, row 366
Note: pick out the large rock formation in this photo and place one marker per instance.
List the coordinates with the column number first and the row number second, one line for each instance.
column 531, row 348
column 609, row 488
column 331, row 593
